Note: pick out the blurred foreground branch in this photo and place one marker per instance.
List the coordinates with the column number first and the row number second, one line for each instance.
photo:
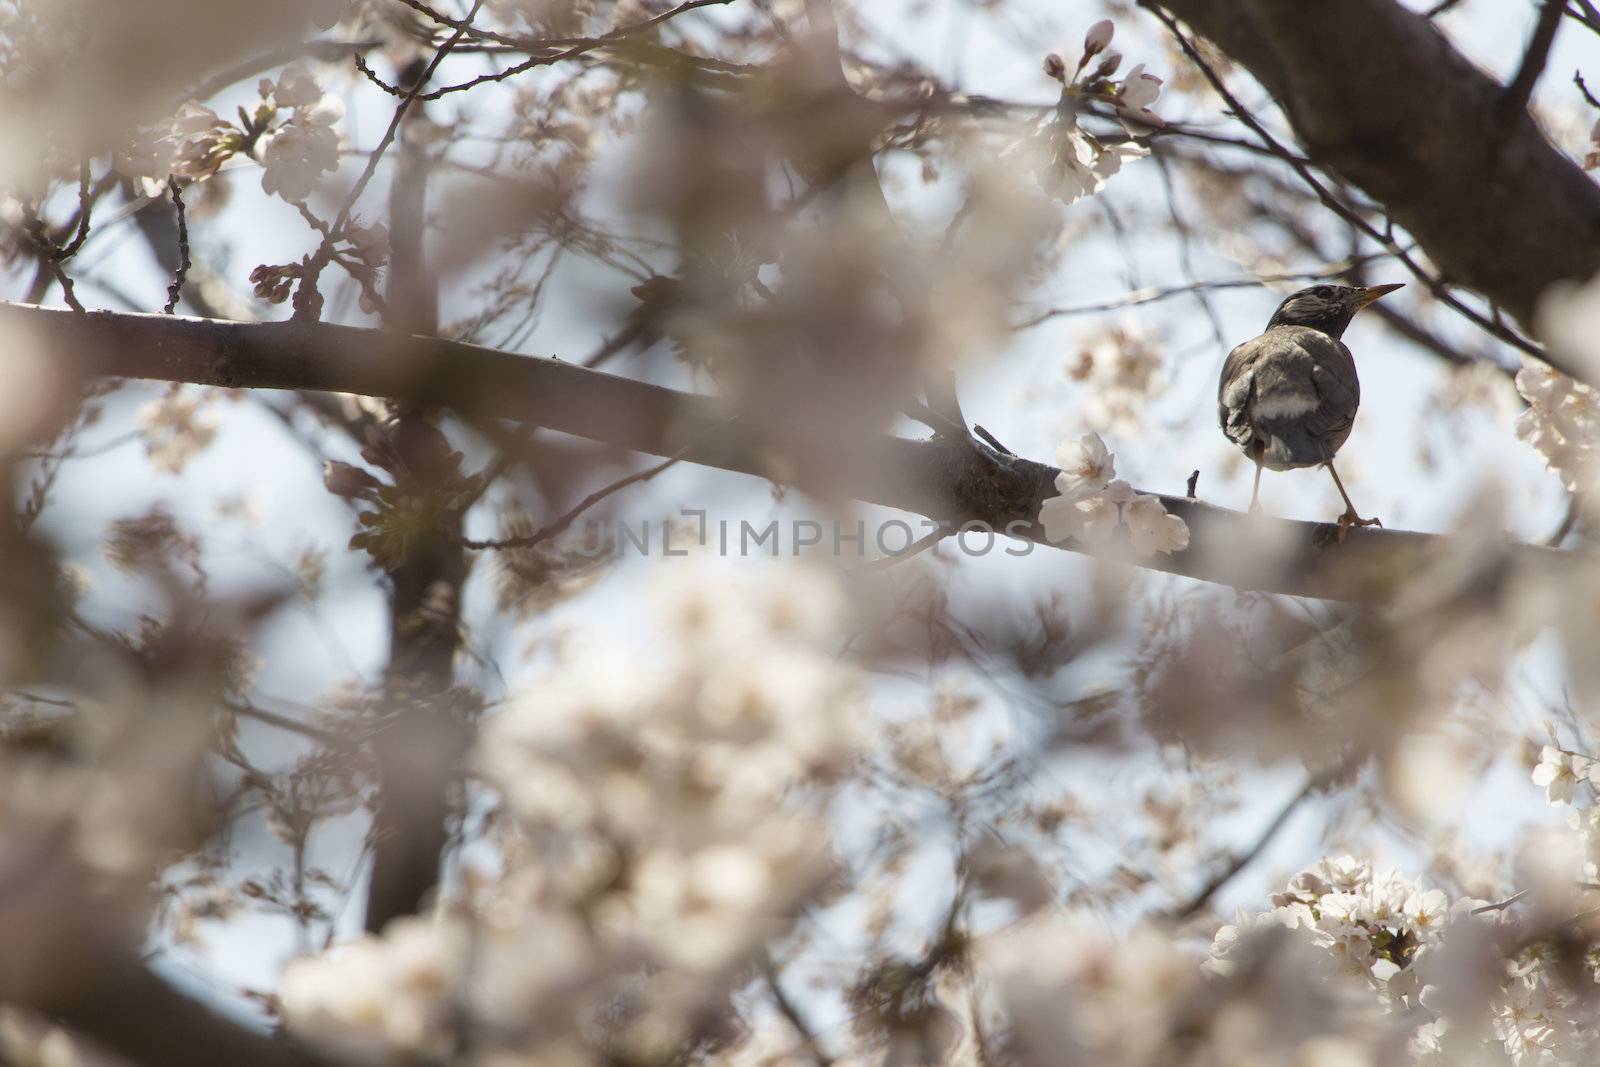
column 958, row 481
column 141, row 1017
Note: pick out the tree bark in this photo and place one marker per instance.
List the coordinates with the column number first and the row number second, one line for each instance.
column 1376, row 92
column 951, row 480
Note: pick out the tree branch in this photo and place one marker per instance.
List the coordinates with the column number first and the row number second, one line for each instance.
column 946, row 480
column 129, row 1010
column 1533, row 60
column 1377, row 93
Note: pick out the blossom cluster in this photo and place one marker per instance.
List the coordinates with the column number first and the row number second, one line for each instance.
column 1562, row 422
column 176, row 428
column 664, row 824
column 1072, row 162
column 1093, row 503
column 294, row 154
column 1122, row 366
column 1461, row 977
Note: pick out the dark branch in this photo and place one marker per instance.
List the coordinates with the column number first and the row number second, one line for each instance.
column 956, row 481
column 561, row 525
column 1533, row 60
column 1375, row 92
column 175, row 290
column 132, row 1012
column 1243, row 858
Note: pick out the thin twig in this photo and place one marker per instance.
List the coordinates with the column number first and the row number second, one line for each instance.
column 176, row 288
column 84, row 205
column 1434, row 284
column 916, row 548
column 282, row 722
column 1501, row 905
column 394, row 124
column 1587, row 14
column 791, row 1012
column 1588, row 97
column 990, row 439
column 1240, row 860
column 1151, row 294
column 579, row 49
column 545, row 533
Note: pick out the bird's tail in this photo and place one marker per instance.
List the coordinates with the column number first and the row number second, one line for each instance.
column 1287, row 443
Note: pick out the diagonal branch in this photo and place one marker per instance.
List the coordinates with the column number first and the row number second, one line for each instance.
column 954, row 481
column 1377, row 93
column 1520, row 90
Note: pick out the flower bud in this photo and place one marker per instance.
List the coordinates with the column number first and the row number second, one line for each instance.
column 1096, row 40
column 343, row 479
column 1108, row 66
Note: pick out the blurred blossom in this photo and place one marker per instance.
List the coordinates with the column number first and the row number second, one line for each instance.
column 1151, row 529
column 202, row 141
column 295, row 87
column 552, row 18
column 380, row 995
column 1568, row 321
column 1121, row 368
column 1562, row 422
column 176, row 429
column 1427, row 774
column 32, row 392
column 663, row 822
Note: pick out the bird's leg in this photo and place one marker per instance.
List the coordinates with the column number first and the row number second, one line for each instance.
column 1349, row 518
column 1255, row 490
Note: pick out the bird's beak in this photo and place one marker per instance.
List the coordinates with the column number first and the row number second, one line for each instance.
column 1373, row 292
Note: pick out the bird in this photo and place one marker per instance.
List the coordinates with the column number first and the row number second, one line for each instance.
column 1288, row 398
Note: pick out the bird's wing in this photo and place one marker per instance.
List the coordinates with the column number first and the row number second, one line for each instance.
column 1333, row 376
column 1236, row 392
column 1289, row 395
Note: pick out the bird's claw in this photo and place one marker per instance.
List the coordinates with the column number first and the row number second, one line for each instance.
column 1350, row 518
column 1255, row 508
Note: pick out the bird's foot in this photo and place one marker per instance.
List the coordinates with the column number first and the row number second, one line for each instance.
column 1255, row 508
column 1350, row 518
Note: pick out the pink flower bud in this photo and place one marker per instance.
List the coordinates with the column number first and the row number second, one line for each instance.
column 342, row 479
column 1098, row 37
column 1055, row 67
column 1108, row 66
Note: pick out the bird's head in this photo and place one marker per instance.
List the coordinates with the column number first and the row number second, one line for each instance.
column 1328, row 308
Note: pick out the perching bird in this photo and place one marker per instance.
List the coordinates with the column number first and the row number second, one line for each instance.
column 1288, row 398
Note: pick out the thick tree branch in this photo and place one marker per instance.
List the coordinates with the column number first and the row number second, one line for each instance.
column 127, row 1009
column 955, row 481
column 1377, row 93
column 420, row 749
